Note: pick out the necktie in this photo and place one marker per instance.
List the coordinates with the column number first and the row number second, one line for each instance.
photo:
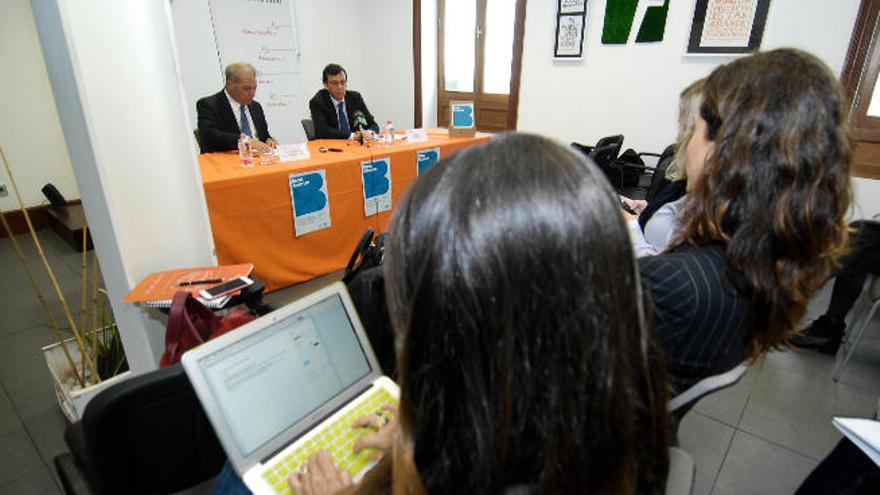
column 245, row 125
column 343, row 119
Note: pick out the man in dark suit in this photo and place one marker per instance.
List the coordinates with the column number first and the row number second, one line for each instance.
column 334, row 109
column 225, row 116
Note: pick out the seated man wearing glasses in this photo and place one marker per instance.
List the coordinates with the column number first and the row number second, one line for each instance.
column 335, row 110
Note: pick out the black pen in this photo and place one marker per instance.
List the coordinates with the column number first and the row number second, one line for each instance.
column 201, row 282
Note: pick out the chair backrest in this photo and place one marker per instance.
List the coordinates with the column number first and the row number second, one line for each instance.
column 658, row 179
column 707, row 386
column 148, row 434
column 615, row 139
column 309, row 128
column 605, row 154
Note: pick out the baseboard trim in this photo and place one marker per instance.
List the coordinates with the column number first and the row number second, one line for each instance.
column 39, row 218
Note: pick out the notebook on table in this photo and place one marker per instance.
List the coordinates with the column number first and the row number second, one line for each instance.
column 288, row 384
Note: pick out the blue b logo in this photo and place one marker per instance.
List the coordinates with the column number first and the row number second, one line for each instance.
column 426, row 158
column 307, row 195
column 463, row 115
column 375, row 178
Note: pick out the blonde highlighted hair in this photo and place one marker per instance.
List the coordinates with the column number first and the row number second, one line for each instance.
column 688, row 108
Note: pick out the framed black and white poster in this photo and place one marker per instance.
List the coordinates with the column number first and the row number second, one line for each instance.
column 728, row 26
column 570, row 29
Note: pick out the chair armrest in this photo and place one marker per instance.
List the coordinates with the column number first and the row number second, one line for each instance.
column 681, row 472
column 73, row 481
column 628, row 165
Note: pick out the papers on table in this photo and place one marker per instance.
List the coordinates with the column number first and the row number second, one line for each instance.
column 865, row 433
column 414, row 136
column 292, row 152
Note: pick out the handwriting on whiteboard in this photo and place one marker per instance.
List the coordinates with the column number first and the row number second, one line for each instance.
column 278, row 100
column 270, row 30
column 273, row 54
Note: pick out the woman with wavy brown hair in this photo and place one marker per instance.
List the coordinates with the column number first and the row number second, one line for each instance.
column 768, row 181
column 525, row 362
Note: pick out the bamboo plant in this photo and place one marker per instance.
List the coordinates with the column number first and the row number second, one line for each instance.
column 96, row 337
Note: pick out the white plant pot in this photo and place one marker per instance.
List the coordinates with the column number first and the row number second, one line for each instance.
column 71, row 397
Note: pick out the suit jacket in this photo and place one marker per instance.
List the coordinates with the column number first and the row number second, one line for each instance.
column 218, row 128
column 326, row 119
column 700, row 317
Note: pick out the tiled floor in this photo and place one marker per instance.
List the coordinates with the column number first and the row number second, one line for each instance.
column 761, row 436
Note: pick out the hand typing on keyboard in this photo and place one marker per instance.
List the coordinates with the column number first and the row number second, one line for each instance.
column 385, row 424
column 321, row 477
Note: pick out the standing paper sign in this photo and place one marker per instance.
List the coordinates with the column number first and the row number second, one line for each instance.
column 308, row 195
column 426, row 158
column 416, row 135
column 462, row 121
column 376, row 179
column 292, row 152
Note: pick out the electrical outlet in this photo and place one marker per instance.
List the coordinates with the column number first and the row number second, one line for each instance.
column 3, row 191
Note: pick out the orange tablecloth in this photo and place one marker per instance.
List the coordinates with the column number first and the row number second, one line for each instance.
column 252, row 216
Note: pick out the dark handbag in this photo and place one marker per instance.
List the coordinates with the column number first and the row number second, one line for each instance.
column 366, row 285
column 367, row 254
column 191, row 323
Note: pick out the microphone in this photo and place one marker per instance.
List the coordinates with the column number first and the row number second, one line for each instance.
column 360, row 122
column 360, row 125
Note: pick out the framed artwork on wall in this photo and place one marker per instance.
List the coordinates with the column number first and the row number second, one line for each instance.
column 727, row 26
column 570, row 16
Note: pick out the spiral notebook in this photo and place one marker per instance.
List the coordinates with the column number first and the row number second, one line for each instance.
column 157, row 289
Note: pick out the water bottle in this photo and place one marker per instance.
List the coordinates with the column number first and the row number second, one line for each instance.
column 388, row 133
column 244, row 151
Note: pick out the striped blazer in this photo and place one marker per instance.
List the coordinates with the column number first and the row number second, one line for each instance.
column 700, row 318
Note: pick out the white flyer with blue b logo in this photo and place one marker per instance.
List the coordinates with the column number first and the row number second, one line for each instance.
column 376, row 179
column 426, row 158
column 311, row 206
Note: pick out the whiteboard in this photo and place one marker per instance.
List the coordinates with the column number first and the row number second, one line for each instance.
column 213, row 33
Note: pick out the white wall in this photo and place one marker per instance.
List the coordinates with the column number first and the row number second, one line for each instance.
column 429, row 63
column 130, row 146
column 30, row 132
column 633, row 89
column 372, row 39
column 866, row 198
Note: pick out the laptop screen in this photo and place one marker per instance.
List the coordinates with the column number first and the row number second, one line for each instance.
column 268, row 381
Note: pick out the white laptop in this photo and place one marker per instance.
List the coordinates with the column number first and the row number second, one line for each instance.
column 288, row 384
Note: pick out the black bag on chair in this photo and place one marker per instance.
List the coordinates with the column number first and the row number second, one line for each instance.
column 366, row 285
column 367, row 254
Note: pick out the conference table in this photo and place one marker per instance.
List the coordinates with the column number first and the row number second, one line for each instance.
column 252, row 212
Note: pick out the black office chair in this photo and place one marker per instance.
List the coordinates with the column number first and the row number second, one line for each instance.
column 658, row 178
column 616, row 139
column 146, row 435
column 603, row 154
column 309, row 128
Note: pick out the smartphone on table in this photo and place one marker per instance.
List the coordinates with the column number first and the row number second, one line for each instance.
column 233, row 285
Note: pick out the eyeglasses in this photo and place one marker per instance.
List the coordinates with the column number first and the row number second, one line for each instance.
column 336, row 83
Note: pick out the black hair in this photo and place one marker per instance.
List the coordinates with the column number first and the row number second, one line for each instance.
column 332, row 70
column 523, row 349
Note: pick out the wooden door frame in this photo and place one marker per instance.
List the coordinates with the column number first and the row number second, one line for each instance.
column 515, row 70
column 858, row 78
column 417, row 63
